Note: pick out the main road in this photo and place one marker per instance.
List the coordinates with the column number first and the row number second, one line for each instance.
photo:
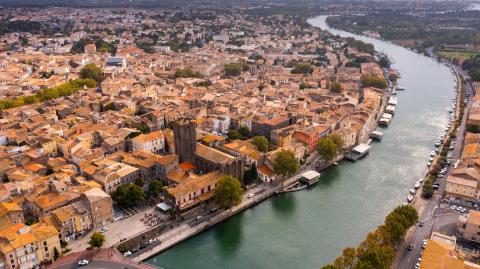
column 310, row 228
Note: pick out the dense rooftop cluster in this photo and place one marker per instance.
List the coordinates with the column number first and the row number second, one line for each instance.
column 233, row 75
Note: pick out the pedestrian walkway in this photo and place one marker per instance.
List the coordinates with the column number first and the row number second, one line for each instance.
column 104, row 254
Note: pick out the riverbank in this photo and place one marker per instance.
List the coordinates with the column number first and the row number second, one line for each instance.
column 184, row 232
column 297, row 226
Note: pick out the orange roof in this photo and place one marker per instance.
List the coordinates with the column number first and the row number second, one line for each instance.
column 275, row 121
column 35, row 167
column 187, row 166
column 438, row 256
column 148, row 137
column 266, row 170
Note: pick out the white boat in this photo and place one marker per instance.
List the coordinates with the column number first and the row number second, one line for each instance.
column 410, row 198
column 400, row 88
column 429, row 164
column 420, row 180
column 412, row 191
column 417, row 185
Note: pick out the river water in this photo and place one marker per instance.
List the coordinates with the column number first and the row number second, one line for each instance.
column 309, row 228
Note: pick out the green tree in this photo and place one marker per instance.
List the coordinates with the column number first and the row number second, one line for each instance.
column 228, row 192
column 329, row 266
column 285, row 163
column 139, row 182
column 235, row 69
column 72, row 63
column 144, row 128
column 473, row 128
column 91, row 71
column 128, row 195
column 234, row 134
column 96, row 240
column 251, row 175
column 327, row 148
column 261, row 143
column 155, row 187
column 302, row 69
column 187, row 73
column 78, row 47
column 347, row 259
column 377, row 250
column 337, row 139
column 374, row 81
column 336, row 87
column 244, row 131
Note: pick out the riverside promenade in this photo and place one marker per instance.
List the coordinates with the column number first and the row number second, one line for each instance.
column 185, row 231
column 262, row 192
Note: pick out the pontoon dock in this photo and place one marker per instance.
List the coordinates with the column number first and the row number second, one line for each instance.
column 392, row 101
column 390, row 109
column 358, row 152
column 377, row 135
column 310, row 177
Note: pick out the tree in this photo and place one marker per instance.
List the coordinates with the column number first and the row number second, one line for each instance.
column 473, row 128
column 139, row 182
column 261, row 143
column 91, row 71
column 244, row 131
column 187, row 73
column 235, row 69
column 336, row 87
column 234, row 134
column 128, row 195
column 337, row 139
column 78, row 47
column 155, row 187
column 96, row 240
column 228, row 192
column 285, row 163
column 251, row 175
column 72, row 63
column 327, row 148
column 373, row 81
column 144, row 128
column 302, row 69
column 377, row 250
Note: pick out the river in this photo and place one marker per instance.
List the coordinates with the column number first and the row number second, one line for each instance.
column 310, row 228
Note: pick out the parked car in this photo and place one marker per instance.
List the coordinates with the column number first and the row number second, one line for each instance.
column 104, row 230
column 83, row 262
column 199, row 217
column 250, row 195
column 411, row 247
column 421, row 223
column 128, row 253
column 151, row 241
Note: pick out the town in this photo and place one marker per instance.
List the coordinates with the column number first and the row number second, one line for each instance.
column 127, row 131
column 140, row 119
